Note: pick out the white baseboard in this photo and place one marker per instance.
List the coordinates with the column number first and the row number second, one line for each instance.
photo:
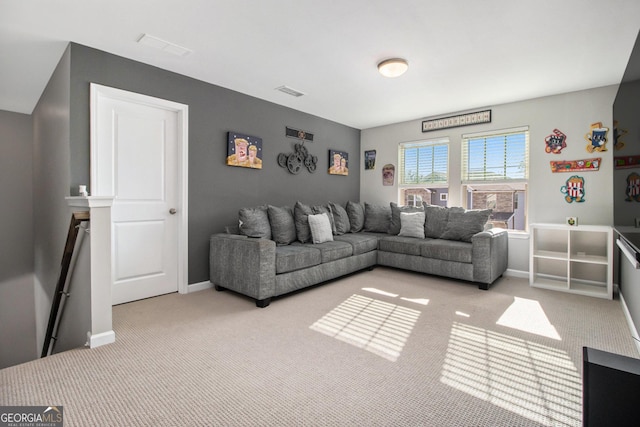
column 103, row 338
column 195, row 287
column 632, row 327
column 517, row 273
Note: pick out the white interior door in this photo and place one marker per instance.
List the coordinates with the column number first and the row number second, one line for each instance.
column 137, row 160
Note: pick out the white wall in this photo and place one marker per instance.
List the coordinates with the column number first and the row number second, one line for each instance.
column 572, row 113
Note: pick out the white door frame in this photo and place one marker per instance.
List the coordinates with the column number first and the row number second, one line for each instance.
column 102, row 164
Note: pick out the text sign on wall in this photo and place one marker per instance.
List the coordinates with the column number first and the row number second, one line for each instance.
column 455, row 121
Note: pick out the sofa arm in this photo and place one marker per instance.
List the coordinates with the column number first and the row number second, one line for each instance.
column 243, row 264
column 490, row 255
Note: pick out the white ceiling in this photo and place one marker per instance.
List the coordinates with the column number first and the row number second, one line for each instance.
column 463, row 54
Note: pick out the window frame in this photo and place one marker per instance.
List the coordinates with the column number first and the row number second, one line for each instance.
column 467, row 179
column 436, row 142
column 464, row 142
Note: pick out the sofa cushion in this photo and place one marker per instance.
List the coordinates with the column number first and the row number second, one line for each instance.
column 331, row 251
column 320, row 228
column 463, row 225
column 377, row 218
column 283, row 227
column 394, row 225
column 436, row 219
column 296, row 257
column 447, row 250
column 400, row 245
column 254, row 222
column 412, row 224
column 360, row 242
column 340, row 219
column 355, row 211
column 300, row 217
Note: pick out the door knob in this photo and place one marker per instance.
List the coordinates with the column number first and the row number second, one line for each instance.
column 172, row 211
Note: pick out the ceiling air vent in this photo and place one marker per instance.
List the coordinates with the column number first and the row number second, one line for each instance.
column 163, row 45
column 290, row 91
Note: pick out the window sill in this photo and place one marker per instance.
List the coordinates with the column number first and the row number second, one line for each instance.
column 518, row 234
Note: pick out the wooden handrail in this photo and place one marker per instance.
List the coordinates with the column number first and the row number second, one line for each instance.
column 76, row 219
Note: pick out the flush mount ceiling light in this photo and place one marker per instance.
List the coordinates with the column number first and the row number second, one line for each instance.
column 393, row 67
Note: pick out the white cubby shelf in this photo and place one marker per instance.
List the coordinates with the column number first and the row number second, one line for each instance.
column 576, row 259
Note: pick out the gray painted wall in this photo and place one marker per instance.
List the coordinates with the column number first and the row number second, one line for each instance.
column 17, row 315
column 51, row 185
column 217, row 191
column 572, row 113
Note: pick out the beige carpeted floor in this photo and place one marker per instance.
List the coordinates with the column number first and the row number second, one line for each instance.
column 379, row 348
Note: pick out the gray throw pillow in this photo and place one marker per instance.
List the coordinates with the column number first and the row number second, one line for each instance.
column 463, row 225
column 394, row 226
column 320, row 228
column 300, row 216
column 327, row 210
column 377, row 218
column 340, row 218
column 283, row 227
column 356, row 216
column 254, row 222
column 412, row 224
column 436, row 220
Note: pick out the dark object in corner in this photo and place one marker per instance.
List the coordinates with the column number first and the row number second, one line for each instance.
column 609, row 389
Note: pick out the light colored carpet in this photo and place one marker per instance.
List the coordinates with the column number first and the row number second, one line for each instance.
column 378, row 348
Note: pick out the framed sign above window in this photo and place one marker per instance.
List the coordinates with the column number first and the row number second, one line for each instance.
column 456, row 121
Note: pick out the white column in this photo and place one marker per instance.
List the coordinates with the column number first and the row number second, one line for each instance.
column 101, row 272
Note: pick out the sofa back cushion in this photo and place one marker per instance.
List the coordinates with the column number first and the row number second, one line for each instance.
column 394, row 225
column 377, row 218
column 300, row 217
column 463, row 225
column 283, row 227
column 437, row 218
column 340, row 219
column 355, row 211
column 254, row 222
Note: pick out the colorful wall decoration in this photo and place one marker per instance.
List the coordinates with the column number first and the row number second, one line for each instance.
column 244, row 150
column 339, row 161
column 625, row 162
column 370, row 159
column 633, row 187
column 555, row 142
column 586, row 165
column 574, row 189
column 618, row 133
column 388, row 174
column 597, row 137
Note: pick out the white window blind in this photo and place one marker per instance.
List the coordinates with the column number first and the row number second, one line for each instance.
column 496, row 156
column 424, row 162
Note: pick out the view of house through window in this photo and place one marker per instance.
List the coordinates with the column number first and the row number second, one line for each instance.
column 506, row 200
column 423, row 174
column 495, row 172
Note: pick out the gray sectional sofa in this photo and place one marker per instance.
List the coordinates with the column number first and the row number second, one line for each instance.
column 278, row 250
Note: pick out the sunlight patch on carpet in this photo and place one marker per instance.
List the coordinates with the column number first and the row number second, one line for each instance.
column 538, row 382
column 528, row 315
column 373, row 325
